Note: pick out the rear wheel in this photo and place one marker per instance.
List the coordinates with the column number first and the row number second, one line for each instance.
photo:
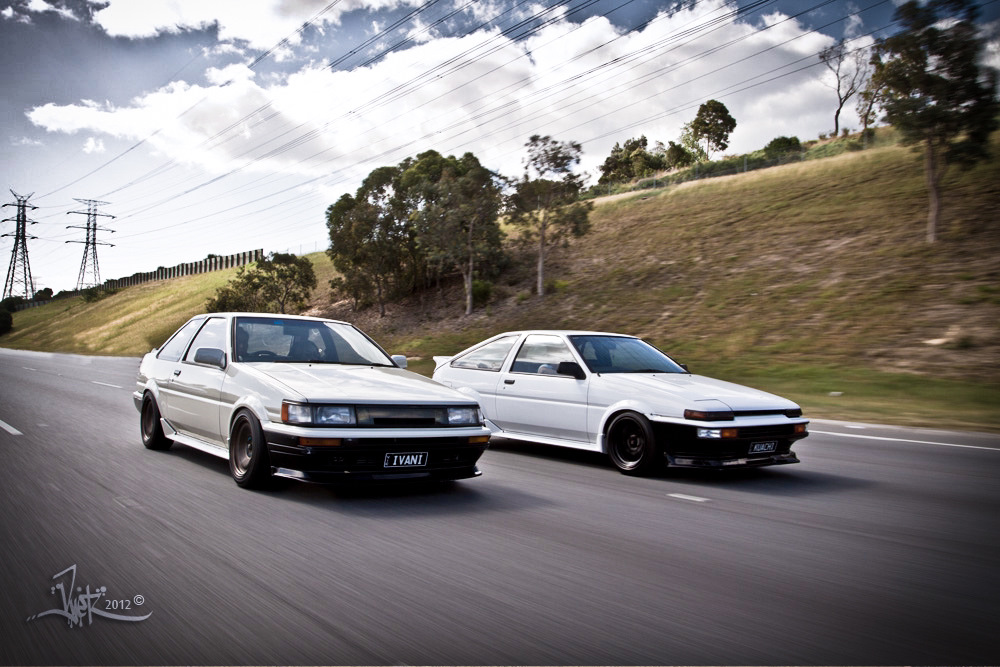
column 632, row 445
column 149, row 425
column 248, row 460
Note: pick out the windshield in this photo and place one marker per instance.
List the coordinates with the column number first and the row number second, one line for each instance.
column 304, row 341
column 617, row 354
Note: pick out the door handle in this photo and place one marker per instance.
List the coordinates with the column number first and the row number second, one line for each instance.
column 177, row 372
column 508, row 381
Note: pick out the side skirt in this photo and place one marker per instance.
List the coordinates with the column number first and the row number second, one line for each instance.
column 171, row 433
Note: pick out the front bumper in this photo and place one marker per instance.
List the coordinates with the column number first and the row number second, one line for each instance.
column 367, row 457
column 682, row 448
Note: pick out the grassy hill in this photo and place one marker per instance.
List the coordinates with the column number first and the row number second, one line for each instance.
column 812, row 280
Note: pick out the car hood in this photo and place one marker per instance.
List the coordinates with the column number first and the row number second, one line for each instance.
column 692, row 391
column 359, row 384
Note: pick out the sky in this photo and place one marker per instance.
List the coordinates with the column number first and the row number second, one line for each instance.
column 220, row 126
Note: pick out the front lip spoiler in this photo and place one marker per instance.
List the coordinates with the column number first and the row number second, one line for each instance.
column 741, row 462
column 346, row 477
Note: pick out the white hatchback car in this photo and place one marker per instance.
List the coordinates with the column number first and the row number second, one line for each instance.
column 305, row 398
column 619, row 395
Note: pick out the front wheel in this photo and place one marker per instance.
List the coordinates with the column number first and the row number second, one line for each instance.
column 248, row 460
column 632, row 445
column 149, row 425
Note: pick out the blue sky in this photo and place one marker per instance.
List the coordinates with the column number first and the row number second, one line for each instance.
column 217, row 126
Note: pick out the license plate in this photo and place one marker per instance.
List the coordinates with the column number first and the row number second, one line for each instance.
column 405, row 459
column 759, row 447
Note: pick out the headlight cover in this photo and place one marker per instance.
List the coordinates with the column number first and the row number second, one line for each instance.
column 385, row 416
column 463, row 416
column 317, row 415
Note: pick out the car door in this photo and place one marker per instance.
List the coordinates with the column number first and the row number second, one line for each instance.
column 534, row 399
column 196, row 389
column 168, row 359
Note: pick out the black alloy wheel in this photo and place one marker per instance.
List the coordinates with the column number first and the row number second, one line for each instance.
column 248, row 460
column 632, row 445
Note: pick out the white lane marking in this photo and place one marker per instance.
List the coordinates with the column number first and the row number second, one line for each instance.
column 919, row 442
column 694, row 499
column 10, row 429
column 30, row 369
column 105, row 384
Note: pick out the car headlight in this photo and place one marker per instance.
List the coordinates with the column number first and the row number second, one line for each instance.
column 319, row 415
column 334, row 415
column 458, row 416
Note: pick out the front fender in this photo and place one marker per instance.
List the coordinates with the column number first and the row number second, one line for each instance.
column 615, row 409
column 252, row 403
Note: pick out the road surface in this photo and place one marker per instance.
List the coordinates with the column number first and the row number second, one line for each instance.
column 881, row 547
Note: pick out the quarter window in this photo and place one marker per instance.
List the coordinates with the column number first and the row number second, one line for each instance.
column 489, row 357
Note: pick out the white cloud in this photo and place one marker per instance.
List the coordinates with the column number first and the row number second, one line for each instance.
column 261, row 25
column 93, row 145
column 586, row 83
column 25, row 141
column 40, row 6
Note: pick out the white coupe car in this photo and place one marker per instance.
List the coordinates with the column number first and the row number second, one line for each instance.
column 616, row 394
column 305, row 398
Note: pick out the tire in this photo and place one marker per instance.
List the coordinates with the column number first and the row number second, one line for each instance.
column 149, row 425
column 632, row 444
column 248, row 460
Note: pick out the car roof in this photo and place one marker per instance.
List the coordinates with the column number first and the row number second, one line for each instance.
column 282, row 316
column 564, row 332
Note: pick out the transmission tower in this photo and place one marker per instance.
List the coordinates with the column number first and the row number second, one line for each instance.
column 90, row 249
column 19, row 273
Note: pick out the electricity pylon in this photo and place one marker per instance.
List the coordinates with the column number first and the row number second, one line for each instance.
column 19, row 272
column 90, row 249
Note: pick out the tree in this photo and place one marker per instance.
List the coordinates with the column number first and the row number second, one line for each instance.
column 632, row 160
column 936, row 94
column 370, row 238
column 456, row 205
column 676, row 157
column 277, row 283
column 780, row 147
column 43, row 294
column 545, row 201
column 712, row 125
column 871, row 99
column 6, row 321
column 850, row 71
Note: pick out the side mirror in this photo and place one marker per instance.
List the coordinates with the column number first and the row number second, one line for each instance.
column 685, row 367
column 400, row 360
column 572, row 369
column 210, row 356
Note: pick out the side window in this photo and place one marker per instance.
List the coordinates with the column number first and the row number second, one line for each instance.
column 489, row 357
column 174, row 348
column 213, row 334
column 541, row 355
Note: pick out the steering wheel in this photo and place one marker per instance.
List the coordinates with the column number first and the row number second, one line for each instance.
column 263, row 355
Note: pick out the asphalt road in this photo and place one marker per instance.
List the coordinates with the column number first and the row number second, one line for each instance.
column 881, row 547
